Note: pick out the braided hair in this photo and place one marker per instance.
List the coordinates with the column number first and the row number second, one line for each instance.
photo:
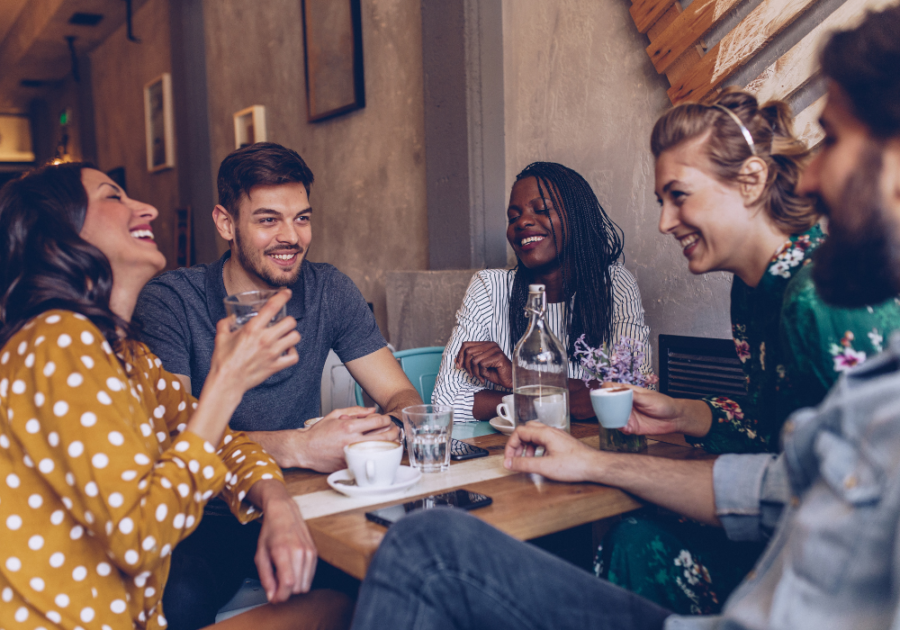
column 590, row 242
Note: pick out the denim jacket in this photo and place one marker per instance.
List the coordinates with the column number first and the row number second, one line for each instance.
column 831, row 505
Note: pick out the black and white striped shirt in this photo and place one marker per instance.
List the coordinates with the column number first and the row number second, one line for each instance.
column 484, row 316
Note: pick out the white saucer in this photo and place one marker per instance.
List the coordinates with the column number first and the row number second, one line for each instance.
column 405, row 478
column 502, row 425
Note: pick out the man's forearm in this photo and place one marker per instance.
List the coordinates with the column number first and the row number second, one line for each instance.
column 400, row 400
column 683, row 486
column 284, row 446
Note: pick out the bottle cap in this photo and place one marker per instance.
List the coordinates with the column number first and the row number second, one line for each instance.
column 536, row 288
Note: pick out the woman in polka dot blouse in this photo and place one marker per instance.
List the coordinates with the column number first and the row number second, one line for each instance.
column 106, row 463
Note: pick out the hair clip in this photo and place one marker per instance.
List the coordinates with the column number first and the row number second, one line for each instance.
column 744, row 130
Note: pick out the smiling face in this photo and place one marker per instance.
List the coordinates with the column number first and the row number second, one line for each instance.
column 533, row 221
column 710, row 220
column 854, row 179
column 120, row 228
column 271, row 235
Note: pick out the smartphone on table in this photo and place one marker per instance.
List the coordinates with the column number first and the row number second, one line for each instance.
column 463, row 499
column 460, row 450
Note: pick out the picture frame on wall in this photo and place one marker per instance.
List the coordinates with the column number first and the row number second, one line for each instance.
column 15, row 139
column 250, row 126
column 332, row 45
column 159, row 123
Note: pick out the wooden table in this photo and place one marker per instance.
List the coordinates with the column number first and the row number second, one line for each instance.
column 522, row 507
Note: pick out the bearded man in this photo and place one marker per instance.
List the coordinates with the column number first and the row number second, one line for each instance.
column 265, row 215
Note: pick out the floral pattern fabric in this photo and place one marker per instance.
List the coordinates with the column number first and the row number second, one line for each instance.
column 792, row 347
column 678, row 563
column 751, row 423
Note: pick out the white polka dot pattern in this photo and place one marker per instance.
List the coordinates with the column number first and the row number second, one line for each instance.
column 96, row 459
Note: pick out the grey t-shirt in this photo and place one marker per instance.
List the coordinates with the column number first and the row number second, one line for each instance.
column 178, row 311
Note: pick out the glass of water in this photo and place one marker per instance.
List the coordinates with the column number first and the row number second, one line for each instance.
column 428, row 429
column 246, row 305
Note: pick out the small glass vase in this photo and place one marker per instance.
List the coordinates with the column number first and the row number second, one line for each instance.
column 616, row 441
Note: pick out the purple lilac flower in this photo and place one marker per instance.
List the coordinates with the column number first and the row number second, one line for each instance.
column 620, row 364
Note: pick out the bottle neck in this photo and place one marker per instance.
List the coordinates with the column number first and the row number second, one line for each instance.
column 537, row 304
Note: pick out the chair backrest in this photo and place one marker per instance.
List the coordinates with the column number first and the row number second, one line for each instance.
column 421, row 366
column 695, row 367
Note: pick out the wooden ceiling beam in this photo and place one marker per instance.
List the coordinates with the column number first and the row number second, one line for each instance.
column 691, row 25
column 749, row 37
column 797, row 66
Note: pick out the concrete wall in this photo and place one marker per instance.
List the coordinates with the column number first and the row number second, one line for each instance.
column 422, row 306
column 119, row 70
column 580, row 90
column 369, row 196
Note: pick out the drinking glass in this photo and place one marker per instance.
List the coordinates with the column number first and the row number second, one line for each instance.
column 428, row 429
column 246, row 305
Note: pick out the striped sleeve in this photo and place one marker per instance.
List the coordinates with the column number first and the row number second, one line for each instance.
column 473, row 323
column 628, row 313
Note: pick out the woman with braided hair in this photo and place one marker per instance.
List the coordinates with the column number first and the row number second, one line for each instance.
column 726, row 176
column 563, row 239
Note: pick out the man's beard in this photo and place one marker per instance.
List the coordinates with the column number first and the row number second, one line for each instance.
column 252, row 262
column 859, row 263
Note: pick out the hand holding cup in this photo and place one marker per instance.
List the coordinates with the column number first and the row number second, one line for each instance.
column 612, row 405
column 247, row 355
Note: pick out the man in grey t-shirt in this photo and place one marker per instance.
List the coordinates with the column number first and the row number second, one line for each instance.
column 265, row 215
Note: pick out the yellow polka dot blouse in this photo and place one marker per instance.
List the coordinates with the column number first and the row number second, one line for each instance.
column 98, row 481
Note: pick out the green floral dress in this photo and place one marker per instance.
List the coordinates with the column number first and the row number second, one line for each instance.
column 793, row 347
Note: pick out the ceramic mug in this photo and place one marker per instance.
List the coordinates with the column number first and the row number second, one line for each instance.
column 506, row 410
column 374, row 463
column 612, row 406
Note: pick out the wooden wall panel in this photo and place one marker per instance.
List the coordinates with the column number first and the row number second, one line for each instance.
column 677, row 49
column 797, row 66
column 691, row 25
column 737, row 47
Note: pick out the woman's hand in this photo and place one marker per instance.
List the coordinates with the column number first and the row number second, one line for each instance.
column 486, row 361
column 243, row 359
column 246, row 357
column 657, row 414
column 565, row 458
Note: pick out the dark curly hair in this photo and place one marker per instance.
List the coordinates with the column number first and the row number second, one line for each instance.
column 44, row 263
column 590, row 242
column 865, row 63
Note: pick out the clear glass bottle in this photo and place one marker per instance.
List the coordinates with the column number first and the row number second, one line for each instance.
column 540, row 369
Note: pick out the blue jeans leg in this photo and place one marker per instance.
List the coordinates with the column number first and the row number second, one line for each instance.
column 443, row 568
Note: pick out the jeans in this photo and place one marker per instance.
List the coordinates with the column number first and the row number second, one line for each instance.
column 442, row 568
column 208, row 567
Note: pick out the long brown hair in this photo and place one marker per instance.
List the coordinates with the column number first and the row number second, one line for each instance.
column 44, row 263
column 770, row 126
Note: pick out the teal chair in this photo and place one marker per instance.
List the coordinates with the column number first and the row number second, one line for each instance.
column 421, row 366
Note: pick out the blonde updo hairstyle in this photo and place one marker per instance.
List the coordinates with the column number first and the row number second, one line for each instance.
column 727, row 149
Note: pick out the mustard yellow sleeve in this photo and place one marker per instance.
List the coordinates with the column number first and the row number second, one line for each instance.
column 245, row 460
column 93, row 438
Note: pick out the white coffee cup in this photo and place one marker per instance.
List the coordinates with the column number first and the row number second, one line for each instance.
column 506, row 410
column 375, row 463
column 551, row 410
column 612, row 406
